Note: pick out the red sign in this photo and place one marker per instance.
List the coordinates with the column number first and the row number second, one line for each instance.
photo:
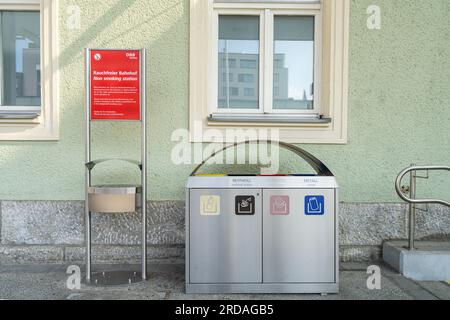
column 115, row 85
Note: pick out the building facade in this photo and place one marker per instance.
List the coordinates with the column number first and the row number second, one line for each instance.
column 395, row 112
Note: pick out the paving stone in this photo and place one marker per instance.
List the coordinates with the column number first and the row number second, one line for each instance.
column 166, row 281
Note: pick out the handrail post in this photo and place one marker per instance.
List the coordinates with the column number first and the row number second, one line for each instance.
column 412, row 209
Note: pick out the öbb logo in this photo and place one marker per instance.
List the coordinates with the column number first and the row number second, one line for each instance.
column 131, row 55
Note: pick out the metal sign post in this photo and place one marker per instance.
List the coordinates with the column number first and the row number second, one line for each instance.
column 115, row 91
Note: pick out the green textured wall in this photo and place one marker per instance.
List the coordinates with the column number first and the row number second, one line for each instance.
column 399, row 103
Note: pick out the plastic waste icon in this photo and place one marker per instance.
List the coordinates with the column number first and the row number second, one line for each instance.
column 314, row 205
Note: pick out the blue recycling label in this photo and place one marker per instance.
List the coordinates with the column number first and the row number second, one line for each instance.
column 314, row 205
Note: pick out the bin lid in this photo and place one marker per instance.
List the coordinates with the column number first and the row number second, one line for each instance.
column 264, row 182
column 115, row 189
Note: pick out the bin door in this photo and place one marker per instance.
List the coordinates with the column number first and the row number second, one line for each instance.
column 225, row 236
column 299, row 236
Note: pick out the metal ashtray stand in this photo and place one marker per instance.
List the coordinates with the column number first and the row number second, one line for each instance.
column 116, row 199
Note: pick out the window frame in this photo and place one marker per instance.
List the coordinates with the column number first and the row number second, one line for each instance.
column 45, row 125
column 317, row 62
column 215, row 60
column 329, row 129
column 266, row 56
column 26, row 110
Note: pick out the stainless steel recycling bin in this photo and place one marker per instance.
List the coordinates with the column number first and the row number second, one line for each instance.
column 263, row 234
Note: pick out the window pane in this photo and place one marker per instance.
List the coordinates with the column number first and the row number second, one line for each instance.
column 249, row 92
column 20, row 44
column 248, row 78
column 293, row 63
column 238, row 61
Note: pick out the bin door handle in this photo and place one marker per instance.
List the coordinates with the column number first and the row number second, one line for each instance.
column 320, row 168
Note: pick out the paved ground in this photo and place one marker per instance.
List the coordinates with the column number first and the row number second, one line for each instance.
column 167, row 282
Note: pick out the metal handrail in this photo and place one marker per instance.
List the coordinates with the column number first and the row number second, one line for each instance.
column 402, row 191
column 414, row 169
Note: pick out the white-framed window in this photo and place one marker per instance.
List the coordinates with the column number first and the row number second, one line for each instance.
column 278, row 64
column 28, row 70
column 263, row 43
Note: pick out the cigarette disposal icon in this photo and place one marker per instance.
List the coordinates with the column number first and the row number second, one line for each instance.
column 245, row 205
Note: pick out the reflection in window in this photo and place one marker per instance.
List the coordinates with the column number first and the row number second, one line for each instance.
column 276, row 92
column 293, row 62
column 276, row 77
column 246, row 78
column 249, row 64
column 239, row 48
column 249, row 92
column 21, row 66
column 225, row 79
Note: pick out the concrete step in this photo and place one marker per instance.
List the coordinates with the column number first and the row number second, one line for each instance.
column 429, row 262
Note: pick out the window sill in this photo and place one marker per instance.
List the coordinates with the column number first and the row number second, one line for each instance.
column 228, row 128
column 19, row 115
column 220, row 119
